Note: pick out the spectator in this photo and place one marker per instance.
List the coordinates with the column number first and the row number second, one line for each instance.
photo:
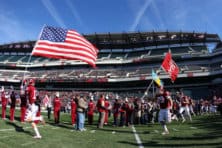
column 81, row 108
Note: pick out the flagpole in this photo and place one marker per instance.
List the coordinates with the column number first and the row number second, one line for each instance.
column 161, row 67
column 147, row 89
column 153, row 90
column 30, row 56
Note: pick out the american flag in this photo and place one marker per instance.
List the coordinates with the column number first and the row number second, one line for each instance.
column 65, row 44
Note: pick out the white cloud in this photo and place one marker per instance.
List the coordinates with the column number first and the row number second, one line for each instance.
column 158, row 15
column 12, row 30
column 74, row 11
column 140, row 14
column 53, row 12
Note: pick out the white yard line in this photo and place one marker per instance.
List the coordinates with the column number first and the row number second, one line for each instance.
column 28, row 143
column 139, row 142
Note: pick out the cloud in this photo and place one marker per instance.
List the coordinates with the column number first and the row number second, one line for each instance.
column 12, row 30
column 75, row 14
column 158, row 15
column 53, row 12
column 74, row 11
column 140, row 14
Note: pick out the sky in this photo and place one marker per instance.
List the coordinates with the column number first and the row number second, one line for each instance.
column 22, row 20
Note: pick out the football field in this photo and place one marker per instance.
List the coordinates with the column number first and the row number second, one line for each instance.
column 204, row 131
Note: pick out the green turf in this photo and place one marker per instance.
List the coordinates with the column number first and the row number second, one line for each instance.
column 204, row 131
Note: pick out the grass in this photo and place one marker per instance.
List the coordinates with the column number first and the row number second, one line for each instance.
column 204, row 131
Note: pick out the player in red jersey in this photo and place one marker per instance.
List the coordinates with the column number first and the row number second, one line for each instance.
column 31, row 94
column 184, row 107
column 57, row 107
column 107, row 106
column 91, row 108
column 4, row 97
column 73, row 111
column 31, row 91
column 101, row 109
column 165, row 104
column 191, row 105
column 33, row 111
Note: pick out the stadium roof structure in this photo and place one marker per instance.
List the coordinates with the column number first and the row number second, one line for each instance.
column 144, row 39
column 130, row 40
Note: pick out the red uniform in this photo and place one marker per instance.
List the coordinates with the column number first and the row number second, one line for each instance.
column 73, row 112
column 57, row 106
column 124, row 107
column 107, row 104
column 129, row 112
column 116, row 108
column 184, row 101
column 38, row 114
column 101, row 108
column 4, row 105
column 101, row 104
column 31, row 93
column 91, row 108
column 163, row 101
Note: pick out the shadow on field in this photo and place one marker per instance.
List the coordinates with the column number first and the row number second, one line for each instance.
column 15, row 118
column 117, row 130
column 18, row 128
column 156, row 144
column 208, row 134
column 62, row 125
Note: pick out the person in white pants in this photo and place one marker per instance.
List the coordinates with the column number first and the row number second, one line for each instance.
column 184, row 107
column 31, row 116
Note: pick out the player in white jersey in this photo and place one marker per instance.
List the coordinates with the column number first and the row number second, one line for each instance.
column 32, row 116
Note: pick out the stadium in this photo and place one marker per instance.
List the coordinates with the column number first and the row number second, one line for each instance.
column 124, row 64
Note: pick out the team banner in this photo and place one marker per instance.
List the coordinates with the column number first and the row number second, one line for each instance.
column 170, row 66
column 156, row 79
column 65, row 44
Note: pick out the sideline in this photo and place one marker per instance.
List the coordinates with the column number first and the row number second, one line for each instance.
column 139, row 142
